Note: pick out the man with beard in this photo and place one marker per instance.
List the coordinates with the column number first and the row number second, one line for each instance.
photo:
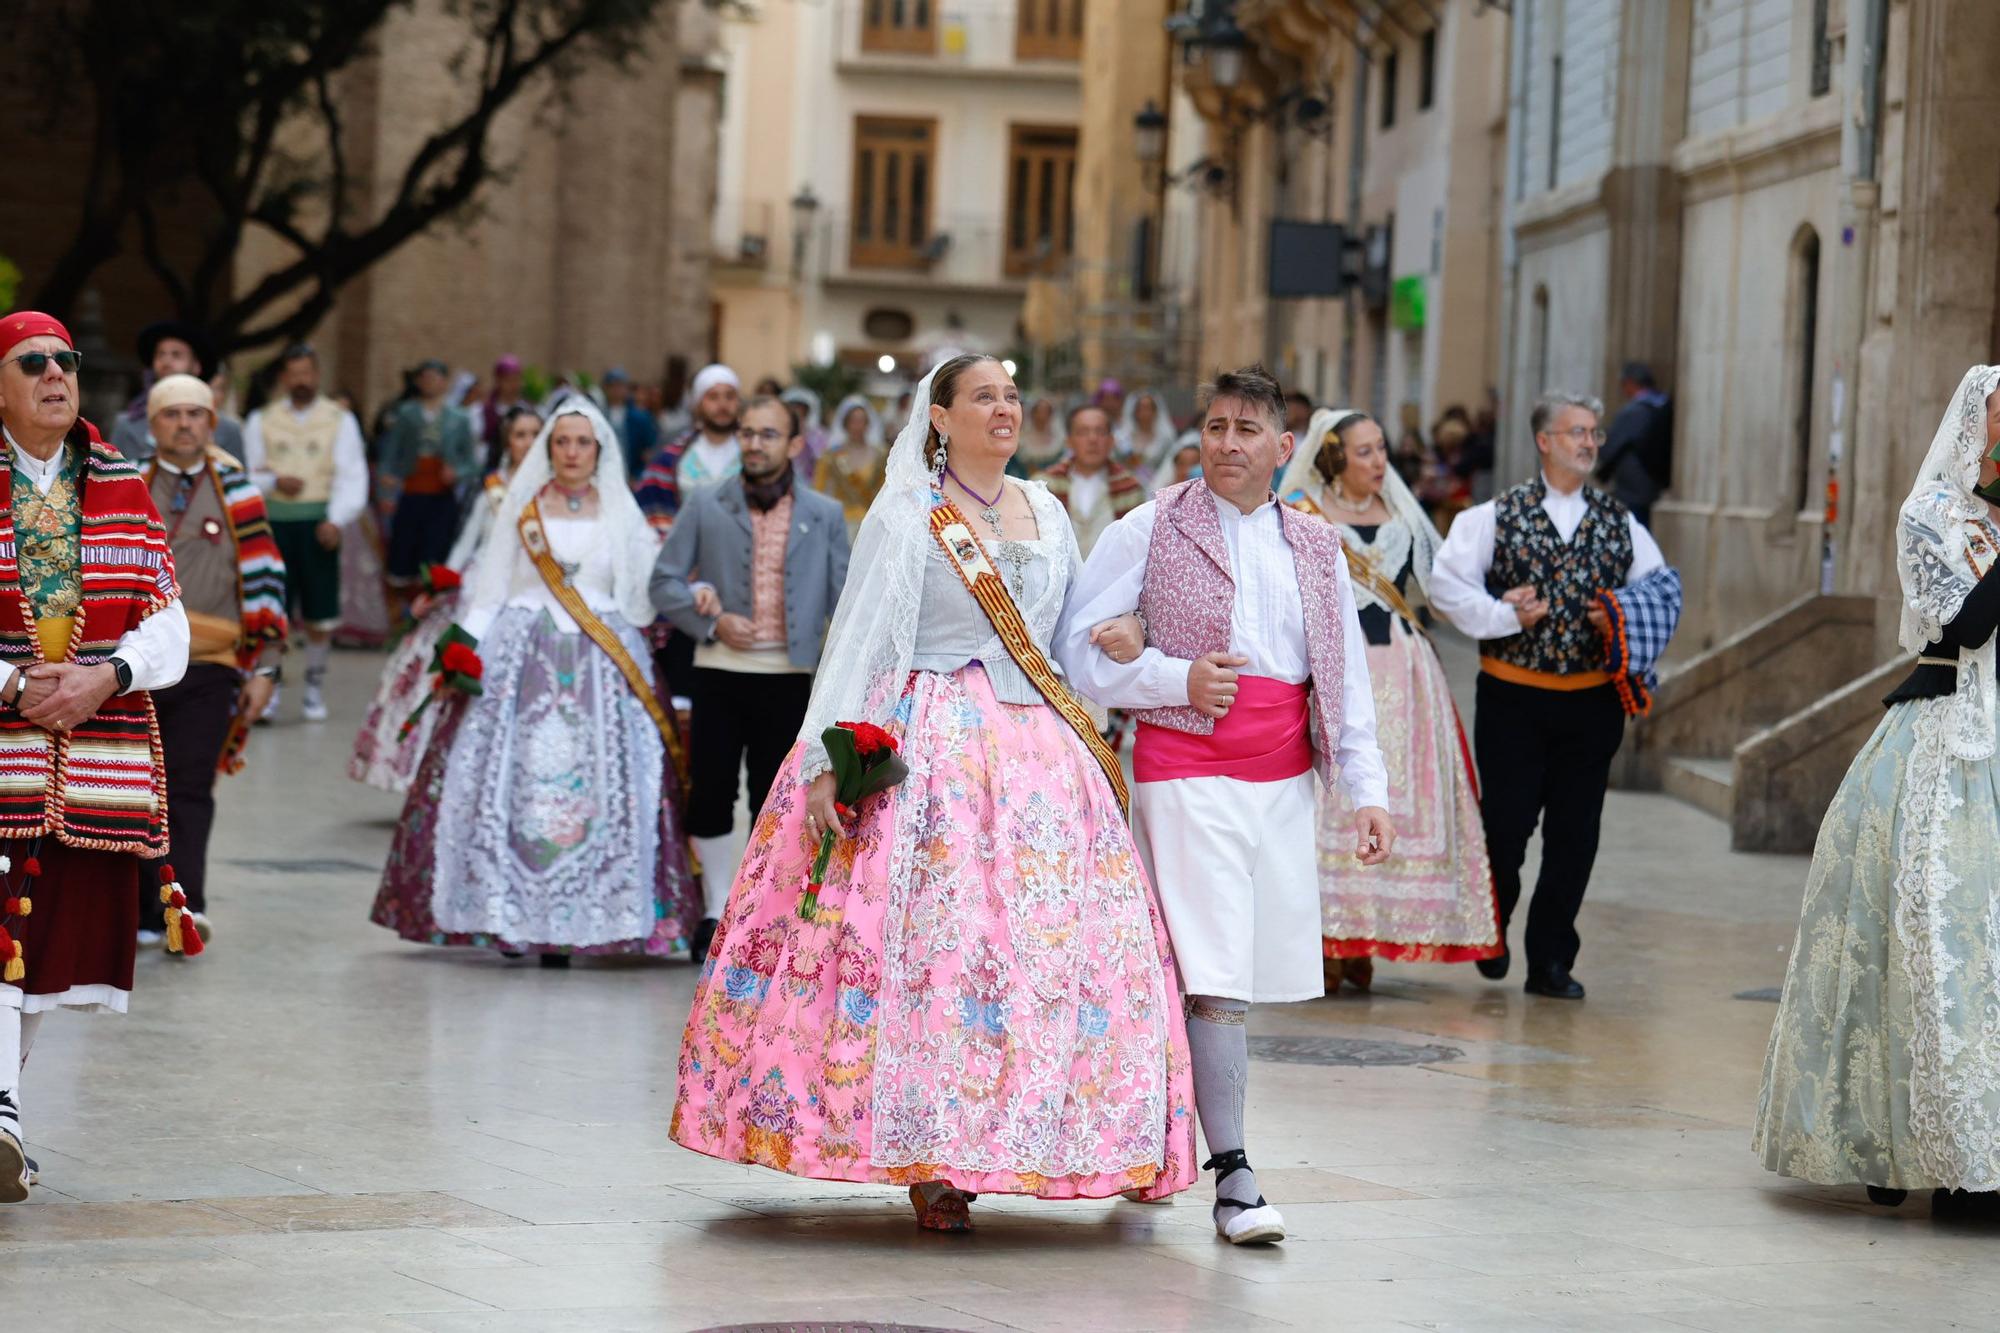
column 304, row 450
column 772, row 556
column 170, row 347
column 233, row 590
column 704, row 456
column 1522, row 574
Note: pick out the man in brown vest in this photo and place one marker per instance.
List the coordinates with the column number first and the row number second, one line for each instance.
column 306, row 455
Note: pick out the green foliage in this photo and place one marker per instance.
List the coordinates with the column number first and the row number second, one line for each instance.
column 832, row 383
column 238, row 104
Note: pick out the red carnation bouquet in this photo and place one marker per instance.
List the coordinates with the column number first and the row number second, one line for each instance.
column 865, row 761
column 456, row 666
column 441, row 579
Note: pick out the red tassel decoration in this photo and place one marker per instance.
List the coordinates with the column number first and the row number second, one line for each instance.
column 191, row 941
column 32, row 867
column 20, row 906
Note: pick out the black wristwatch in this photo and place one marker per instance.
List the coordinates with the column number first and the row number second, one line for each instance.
column 124, row 670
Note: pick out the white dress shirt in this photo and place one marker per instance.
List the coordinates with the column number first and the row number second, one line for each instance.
column 1458, row 576
column 348, row 495
column 1267, row 625
column 157, row 651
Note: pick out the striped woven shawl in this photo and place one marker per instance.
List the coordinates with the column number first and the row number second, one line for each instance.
column 101, row 786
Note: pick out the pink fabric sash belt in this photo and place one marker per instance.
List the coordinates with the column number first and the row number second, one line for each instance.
column 1266, row 737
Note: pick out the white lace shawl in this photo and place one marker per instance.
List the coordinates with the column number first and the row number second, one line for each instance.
column 1952, row 1056
column 1143, row 452
column 873, row 638
column 1934, row 565
column 1302, row 474
column 632, row 539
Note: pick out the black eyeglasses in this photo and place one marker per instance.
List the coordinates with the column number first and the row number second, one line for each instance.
column 32, row 364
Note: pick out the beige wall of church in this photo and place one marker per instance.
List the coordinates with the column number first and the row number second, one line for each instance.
column 576, row 259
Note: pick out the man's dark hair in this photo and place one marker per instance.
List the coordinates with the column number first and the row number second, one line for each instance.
column 1303, row 400
column 1254, row 385
column 1639, row 373
column 298, row 352
column 1069, row 418
column 792, row 411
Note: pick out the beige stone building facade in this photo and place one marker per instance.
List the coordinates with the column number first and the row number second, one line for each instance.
column 1787, row 207
column 895, row 174
column 1385, row 120
column 591, row 251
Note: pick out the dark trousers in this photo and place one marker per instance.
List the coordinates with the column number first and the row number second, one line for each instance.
column 1544, row 754
column 420, row 533
column 739, row 719
column 194, row 724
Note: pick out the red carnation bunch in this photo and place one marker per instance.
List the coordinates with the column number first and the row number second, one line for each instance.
column 870, row 739
column 459, row 660
column 458, row 668
column 441, row 579
column 865, row 761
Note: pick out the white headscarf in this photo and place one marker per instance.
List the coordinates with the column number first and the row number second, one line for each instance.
column 837, row 427
column 873, row 638
column 1302, row 475
column 1933, row 562
column 1145, row 451
column 633, row 542
column 707, row 378
column 1163, row 475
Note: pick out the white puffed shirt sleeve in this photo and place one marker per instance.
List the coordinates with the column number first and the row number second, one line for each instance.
column 1109, row 587
column 256, row 458
column 1358, row 757
column 157, row 651
column 1646, row 556
column 349, row 493
column 1458, row 578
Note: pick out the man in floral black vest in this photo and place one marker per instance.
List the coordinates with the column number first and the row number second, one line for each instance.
column 90, row 620
column 1522, row 574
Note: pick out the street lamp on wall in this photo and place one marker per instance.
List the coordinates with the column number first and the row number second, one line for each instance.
column 805, row 207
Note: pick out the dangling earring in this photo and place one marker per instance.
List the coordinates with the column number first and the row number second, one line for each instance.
column 938, row 462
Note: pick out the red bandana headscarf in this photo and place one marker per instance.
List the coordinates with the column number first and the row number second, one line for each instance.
column 22, row 325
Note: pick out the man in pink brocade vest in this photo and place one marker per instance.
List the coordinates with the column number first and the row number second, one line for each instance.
column 1253, row 677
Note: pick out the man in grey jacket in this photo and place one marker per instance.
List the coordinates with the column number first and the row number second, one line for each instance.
column 751, row 572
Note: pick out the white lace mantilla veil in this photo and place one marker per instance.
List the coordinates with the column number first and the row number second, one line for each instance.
column 836, row 428
column 1302, row 474
column 1163, row 475
column 873, row 638
column 1142, row 455
column 1932, row 561
column 623, row 525
column 1954, row 1046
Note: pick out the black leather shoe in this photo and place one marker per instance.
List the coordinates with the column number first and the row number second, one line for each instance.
column 704, row 935
column 556, row 961
column 1554, row 982
column 1495, row 969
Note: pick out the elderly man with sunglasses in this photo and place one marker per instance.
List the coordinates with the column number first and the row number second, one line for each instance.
column 750, row 572
column 1522, row 574
column 90, row 620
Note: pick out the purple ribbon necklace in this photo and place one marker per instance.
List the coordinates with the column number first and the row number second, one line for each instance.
column 991, row 510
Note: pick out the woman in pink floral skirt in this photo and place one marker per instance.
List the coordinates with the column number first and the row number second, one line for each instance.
column 984, row 998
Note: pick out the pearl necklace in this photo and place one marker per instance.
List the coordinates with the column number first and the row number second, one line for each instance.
column 1340, row 501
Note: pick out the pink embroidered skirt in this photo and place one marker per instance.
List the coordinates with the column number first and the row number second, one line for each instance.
column 1432, row 901
column 987, row 996
column 383, row 756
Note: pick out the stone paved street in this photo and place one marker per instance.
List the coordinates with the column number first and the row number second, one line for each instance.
column 315, row 1126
